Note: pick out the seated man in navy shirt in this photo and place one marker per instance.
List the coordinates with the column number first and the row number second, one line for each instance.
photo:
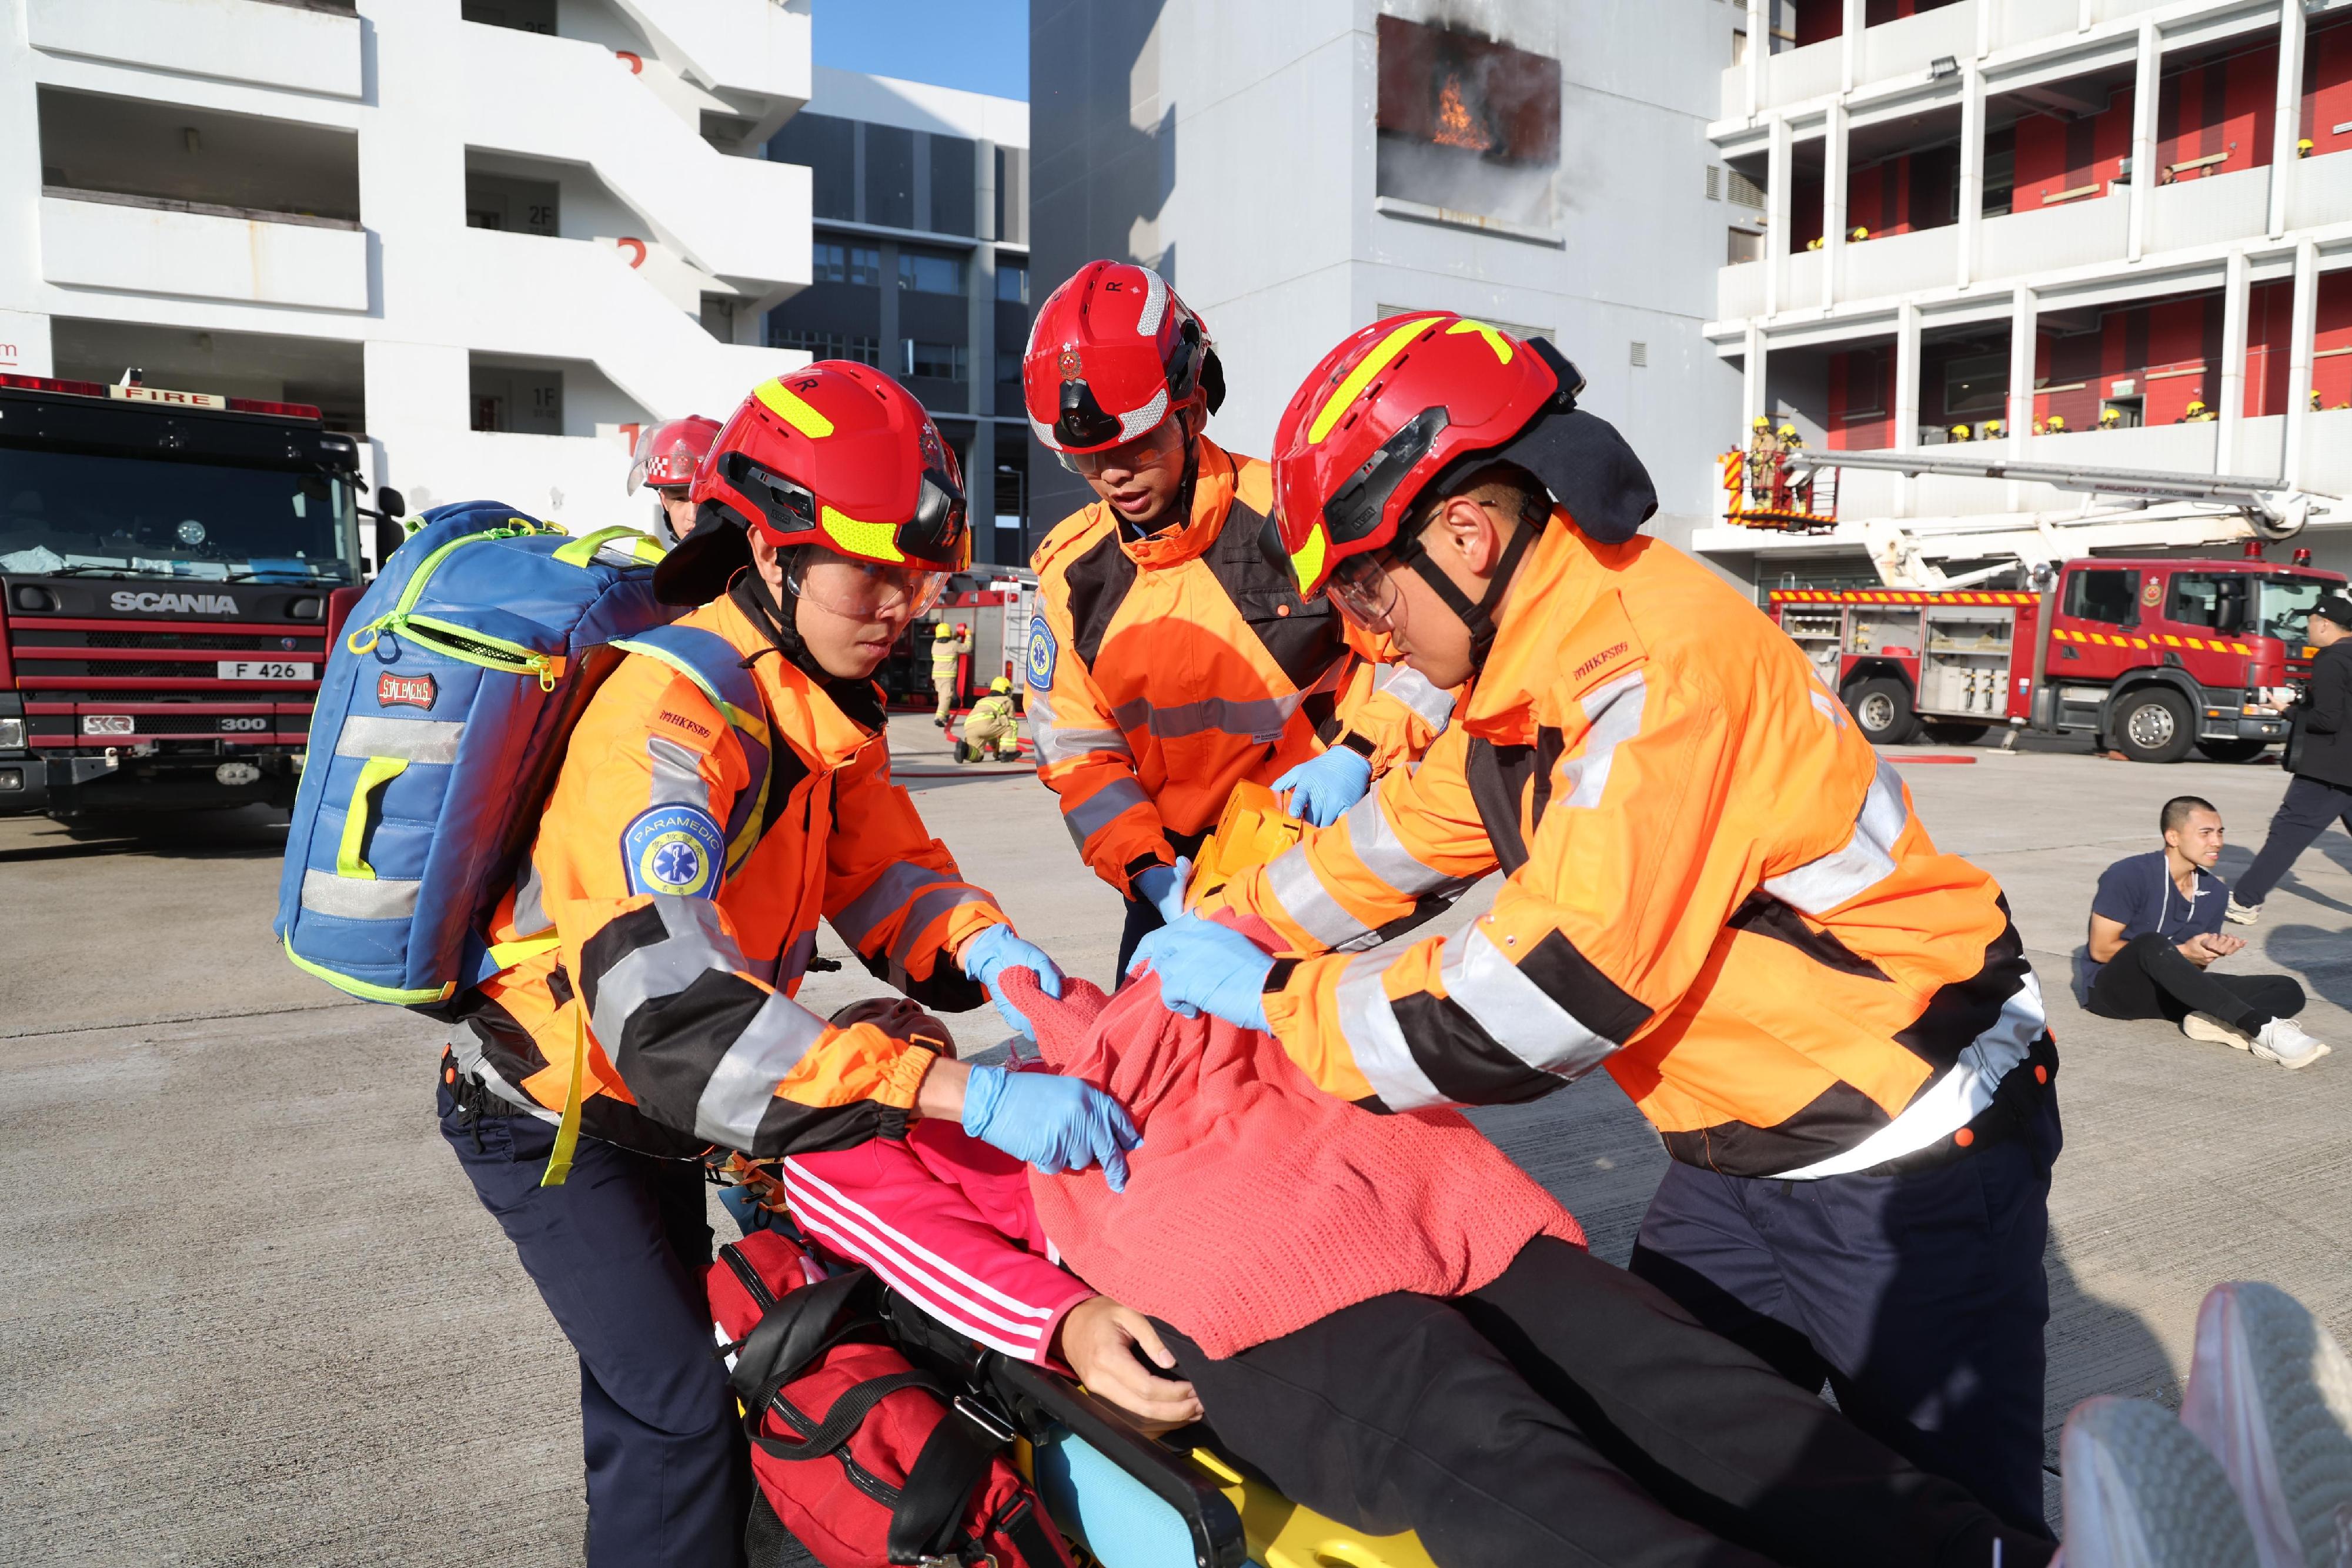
column 2156, row 930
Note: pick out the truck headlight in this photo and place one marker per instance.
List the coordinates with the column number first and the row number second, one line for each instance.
column 12, row 734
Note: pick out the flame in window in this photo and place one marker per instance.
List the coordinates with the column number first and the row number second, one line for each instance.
column 1456, row 126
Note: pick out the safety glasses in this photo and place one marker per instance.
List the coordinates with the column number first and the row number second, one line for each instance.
column 1162, row 446
column 1365, row 594
column 863, row 590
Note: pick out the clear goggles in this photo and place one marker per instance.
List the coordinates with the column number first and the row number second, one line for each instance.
column 863, row 590
column 1161, row 446
column 1363, row 590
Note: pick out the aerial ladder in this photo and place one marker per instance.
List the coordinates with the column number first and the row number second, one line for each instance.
column 2122, row 510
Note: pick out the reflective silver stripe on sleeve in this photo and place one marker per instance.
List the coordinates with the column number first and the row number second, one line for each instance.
column 898, row 883
column 1614, row 712
column 1095, row 812
column 696, row 942
column 418, row 739
column 1868, row 858
column 1383, row 853
column 1433, row 703
column 1374, row 1037
column 1290, row 878
column 1516, row 1013
column 1956, row 1099
column 743, row 1084
column 358, row 898
column 1259, row 719
column 530, row 906
column 926, row 909
column 1058, row 743
column 677, row 775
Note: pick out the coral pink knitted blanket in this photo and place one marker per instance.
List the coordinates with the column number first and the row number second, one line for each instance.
column 1258, row 1204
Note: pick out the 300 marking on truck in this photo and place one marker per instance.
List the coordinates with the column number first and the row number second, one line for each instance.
column 265, row 669
column 239, row 725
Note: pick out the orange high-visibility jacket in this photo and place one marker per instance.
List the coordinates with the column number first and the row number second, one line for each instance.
column 1163, row 672
column 1714, row 889
column 681, row 977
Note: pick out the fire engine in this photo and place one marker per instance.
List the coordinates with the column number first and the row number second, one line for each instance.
column 2150, row 655
column 172, row 565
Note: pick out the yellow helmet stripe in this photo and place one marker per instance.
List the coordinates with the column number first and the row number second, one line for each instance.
column 868, row 541
column 788, row 406
column 1495, row 340
column 1369, row 367
column 1306, row 560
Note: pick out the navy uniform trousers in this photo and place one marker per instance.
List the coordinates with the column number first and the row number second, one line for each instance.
column 618, row 1253
column 1918, row 1295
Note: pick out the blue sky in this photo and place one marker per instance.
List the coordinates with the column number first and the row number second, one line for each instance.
column 980, row 45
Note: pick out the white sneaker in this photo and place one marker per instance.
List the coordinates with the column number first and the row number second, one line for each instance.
column 2205, row 1026
column 2242, row 914
column 2282, row 1042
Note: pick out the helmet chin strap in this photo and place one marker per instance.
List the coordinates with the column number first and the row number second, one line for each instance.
column 1479, row 617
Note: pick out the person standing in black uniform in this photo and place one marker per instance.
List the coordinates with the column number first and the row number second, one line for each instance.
column 2319, row 755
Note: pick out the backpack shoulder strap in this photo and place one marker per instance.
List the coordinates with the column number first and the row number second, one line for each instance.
column 715, row 666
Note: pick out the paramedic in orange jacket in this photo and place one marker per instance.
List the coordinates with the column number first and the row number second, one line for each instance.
column 696, row 834
column 1714, row 890
column 1169, row 660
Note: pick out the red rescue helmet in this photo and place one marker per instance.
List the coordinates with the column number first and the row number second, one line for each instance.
column 667, row 454
column 1417, row 398
column 1113, row 352
column 836, row 456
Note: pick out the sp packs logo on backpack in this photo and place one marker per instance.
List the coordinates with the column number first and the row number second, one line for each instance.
column 404, row 691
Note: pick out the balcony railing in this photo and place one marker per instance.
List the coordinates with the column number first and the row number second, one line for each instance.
column 2213, row 208
column 2049, row 238
column 310, row 49
column 96, row 241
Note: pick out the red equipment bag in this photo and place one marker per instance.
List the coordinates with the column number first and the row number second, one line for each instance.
column 864, row 1459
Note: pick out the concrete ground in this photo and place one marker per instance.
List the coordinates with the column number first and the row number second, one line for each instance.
column 253, row 1314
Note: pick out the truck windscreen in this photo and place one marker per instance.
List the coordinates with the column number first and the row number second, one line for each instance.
column 87, row 515
column 2283, row 602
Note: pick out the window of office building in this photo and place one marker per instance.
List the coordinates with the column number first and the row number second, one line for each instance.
column 1466, row 123
column 930, row 272
column 820, row 345
column 954, row 175
column 1012, row 282
column 828, row 146
column 831, row 261
column 1008, row 367
column 934, row 361
column 891, row 176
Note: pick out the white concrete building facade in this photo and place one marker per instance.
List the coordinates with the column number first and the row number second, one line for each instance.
column 495, row 235
column 1300, row 170
column 2118, row 231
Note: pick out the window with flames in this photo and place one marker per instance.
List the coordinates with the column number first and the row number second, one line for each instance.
column 1468, row 124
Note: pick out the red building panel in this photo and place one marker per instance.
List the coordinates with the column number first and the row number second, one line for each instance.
column 2327, row 86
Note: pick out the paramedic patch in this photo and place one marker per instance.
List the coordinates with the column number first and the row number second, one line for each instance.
column 1041, row 655
column 676, row 850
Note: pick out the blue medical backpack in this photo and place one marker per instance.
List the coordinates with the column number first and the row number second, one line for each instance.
column 441, row 721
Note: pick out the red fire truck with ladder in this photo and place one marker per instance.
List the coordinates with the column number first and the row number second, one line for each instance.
column 2150, row 654
column 173, row 566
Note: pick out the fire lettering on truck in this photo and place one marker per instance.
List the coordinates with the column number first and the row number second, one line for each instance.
column 175, row 603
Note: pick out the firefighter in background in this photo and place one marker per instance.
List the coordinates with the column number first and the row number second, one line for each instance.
column 2111, row 419
column 948, row 646
column 1795, row 484
column 992, row 731
column 686, row 904
column 1960, row 433
column 2195, row 413
column 1168, row 661
column 1763, row 462
column 1714, row 891
column 666, row 459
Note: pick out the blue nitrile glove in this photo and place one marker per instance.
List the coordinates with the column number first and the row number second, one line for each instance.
column 1056, row 1123
column 997, row 949
column 1205, row 967
column 1325, row 787
column 1162, row 887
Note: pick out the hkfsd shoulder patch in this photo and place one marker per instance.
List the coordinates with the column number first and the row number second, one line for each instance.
column 676, row 850
column 1041, row 655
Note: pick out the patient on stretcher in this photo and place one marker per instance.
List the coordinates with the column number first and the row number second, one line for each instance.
column 1382, row 1313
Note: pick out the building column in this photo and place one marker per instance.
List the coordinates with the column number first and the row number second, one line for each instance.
column 2287, row 127
column 1857, row 16
column 1907, row 400
column 980, row 479
column 1759, row 49
column 2230, row 405
column 2024, row 329
column 894, row 358
column 2300, row 330
column 1751, row 381
column 1972, row 139
column 1780, row 161
column 2146, row 85
column 1835, row 159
